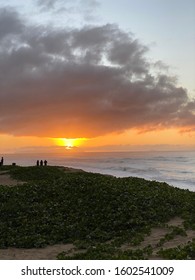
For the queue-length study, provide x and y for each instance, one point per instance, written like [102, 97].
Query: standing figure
[37, 162]
[45, 162]
[2, 160]
[41, 163]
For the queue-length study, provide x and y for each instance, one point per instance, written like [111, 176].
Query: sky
[111, 74]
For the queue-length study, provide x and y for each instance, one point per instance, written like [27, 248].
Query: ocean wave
[174, 168]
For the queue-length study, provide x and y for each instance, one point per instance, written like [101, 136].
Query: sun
[69, 143]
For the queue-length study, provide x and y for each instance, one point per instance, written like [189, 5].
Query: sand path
[47, 253]
[6, 180]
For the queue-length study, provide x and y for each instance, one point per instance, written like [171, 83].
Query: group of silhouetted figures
[41, 163]
[1, 162]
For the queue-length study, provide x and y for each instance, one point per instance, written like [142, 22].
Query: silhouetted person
[37, 162]
[2, 160]
[45, 162]
[41, 163]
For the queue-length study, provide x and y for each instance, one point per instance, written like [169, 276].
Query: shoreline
[127, 218]
[10, 181]
[174, 168]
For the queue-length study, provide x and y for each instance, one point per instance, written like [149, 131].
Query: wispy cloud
[83, 82]
[48, 4]
[85, 9]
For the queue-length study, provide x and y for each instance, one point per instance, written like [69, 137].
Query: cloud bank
[87, 82]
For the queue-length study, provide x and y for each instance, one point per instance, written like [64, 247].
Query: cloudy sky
[115, 73]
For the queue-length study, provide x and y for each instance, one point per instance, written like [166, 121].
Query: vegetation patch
[97, 213]
[185, 252]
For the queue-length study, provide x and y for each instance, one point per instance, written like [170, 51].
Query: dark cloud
[10, 23]
[83, 83]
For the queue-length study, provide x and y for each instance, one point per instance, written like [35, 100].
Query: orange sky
[124, 141]
[98, 82]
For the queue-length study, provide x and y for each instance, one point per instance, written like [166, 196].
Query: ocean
[177, 168]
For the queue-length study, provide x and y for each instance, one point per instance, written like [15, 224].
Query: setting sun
[69, 143]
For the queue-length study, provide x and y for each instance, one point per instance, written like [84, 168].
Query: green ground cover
[186, 252]
[97, 213]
